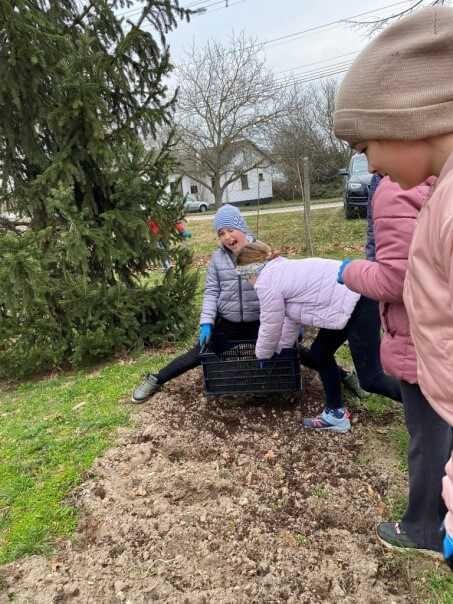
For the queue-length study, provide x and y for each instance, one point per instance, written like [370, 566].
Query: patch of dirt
[211, 502]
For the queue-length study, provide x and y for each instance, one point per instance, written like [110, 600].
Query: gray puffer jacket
[226, 294]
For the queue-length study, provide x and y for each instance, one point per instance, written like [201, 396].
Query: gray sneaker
[351, 382]
[147, 388]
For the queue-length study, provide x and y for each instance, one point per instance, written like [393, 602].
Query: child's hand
[448, 549]
[205, 334]
[343, 265]
[265, 363]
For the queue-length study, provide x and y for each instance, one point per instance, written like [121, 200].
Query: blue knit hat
[229, 217]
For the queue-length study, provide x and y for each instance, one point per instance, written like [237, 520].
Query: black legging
[307, 360]
[191, 359]
[362, 331]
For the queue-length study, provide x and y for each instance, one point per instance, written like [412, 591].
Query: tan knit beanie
[400, 87]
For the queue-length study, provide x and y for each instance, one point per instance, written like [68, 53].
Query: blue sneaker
[335, 420]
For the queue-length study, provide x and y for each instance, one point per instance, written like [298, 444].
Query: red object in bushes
[154, 228]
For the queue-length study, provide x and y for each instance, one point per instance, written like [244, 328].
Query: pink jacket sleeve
[374, 280]
[395, 212]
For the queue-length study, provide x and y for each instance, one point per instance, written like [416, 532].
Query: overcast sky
[269, 19]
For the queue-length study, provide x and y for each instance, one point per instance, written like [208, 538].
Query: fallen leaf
[381, 430]
[269, 455]
[56, 566]
[226, 455]
[371, 491]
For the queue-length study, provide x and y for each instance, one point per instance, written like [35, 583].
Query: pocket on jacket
[447, 347]
[384, 320]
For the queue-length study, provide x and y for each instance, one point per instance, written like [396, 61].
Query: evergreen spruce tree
[81, 88]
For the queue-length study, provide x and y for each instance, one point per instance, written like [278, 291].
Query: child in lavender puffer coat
[305, 292]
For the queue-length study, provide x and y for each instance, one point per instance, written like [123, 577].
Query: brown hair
[255, 252]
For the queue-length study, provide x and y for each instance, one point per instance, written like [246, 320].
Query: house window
[261, 177]
[193, 189]
[245, 182]
[173, 186]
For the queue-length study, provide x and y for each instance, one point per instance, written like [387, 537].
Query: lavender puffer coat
[225, 294]
[293, 293]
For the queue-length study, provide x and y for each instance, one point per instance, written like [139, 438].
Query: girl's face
[407, 163]
[233, 239]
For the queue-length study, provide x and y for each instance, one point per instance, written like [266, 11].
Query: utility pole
[259, 196]
[305, 191]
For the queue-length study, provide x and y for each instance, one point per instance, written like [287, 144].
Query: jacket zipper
[240, 300]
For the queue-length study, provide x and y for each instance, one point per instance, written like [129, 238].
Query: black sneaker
[394, 537]
[147, 388]
[351, 382]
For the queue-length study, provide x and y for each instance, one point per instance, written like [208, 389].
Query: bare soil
[226, 501]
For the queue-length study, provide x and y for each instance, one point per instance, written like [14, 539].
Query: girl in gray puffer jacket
[229, 306]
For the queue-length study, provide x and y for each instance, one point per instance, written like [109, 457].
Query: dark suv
[355, 187]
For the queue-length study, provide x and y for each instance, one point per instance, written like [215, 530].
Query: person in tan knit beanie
[396, 105]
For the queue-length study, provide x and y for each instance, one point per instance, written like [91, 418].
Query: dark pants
[307, 360]
[363, 332]
[430, 441]
[191, 359]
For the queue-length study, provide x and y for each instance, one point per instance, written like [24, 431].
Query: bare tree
[372, 26]
[307, 131]
[227, 100]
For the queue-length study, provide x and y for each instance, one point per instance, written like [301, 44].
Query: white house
[253, 185]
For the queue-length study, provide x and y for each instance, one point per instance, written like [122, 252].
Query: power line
[206, 4]
[316, 71]
[317, 28]
[328, 72]
[213, 10]
[346, 54]
[313, 77]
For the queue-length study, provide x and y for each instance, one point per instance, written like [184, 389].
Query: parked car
[355, 187]
[195, 205]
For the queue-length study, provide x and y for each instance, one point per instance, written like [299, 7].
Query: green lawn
[52, 430]
[332, 235]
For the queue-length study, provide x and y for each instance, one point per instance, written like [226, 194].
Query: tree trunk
[218, 191]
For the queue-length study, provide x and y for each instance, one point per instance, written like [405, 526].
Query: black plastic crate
[232, 368]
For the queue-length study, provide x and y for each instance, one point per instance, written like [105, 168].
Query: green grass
[332, 235]
[51, 431]
[439, 586]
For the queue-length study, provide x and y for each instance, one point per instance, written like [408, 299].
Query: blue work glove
[263, 363]
[186, 234]
[343, 265]
[205, 333]
[448, 549]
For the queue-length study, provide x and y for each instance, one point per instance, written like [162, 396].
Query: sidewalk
[314, 206]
